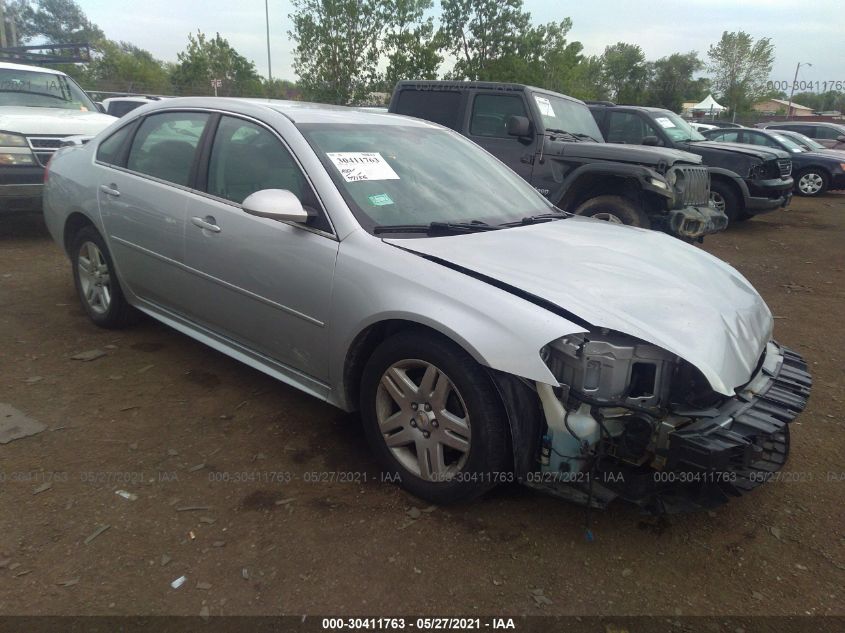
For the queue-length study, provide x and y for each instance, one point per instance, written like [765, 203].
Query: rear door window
[165, 145]
[823, 131]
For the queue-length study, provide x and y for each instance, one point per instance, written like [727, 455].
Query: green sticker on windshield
[380, 200]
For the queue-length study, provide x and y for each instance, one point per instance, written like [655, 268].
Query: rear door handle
[110, 190]
[207, 223]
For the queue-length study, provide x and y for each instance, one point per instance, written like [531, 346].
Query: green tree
[57, 22]
[542, 57]
[214, 58]
[409, 41]
[625, 72]
[337, 48]
[121, 66]
[480, 33]
[740, 68]
[672, 82]
[586, 81]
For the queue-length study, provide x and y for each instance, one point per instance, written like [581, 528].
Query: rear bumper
[696, 221]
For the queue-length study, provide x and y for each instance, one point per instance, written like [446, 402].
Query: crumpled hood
[640, 154]
[639, 282]
[58, 121]
[758, 151]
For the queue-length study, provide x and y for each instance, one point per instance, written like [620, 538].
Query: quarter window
[110, 149]
[490, 114]
[166, 144]
[728, 137]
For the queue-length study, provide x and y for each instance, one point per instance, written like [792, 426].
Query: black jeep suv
[553, 142]
[744, 180]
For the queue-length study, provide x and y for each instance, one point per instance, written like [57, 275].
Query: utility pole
[2, 24]
[791, 92]
[267, 18]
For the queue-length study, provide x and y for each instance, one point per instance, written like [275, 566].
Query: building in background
[780, 106]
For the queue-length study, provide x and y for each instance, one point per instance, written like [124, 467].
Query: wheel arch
[73, 224]
[731, 182]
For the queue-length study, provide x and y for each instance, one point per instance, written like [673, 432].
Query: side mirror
[275, 204]
[519, 126]
[841, 139]
[653, 141]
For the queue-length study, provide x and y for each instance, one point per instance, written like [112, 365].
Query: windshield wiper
[575, 135]
[437, 228]
[542, 217]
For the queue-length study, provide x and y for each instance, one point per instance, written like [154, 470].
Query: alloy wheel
[423, 420]
[94, 278]
[608, 217]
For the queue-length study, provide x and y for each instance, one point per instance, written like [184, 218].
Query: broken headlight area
[630, 420]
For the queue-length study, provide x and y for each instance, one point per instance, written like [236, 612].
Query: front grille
[697, 187]
[44, 147]
[784, 167]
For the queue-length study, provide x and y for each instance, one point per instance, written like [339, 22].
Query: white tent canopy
[709, 104]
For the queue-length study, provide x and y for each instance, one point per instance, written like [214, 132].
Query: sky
[809, 31]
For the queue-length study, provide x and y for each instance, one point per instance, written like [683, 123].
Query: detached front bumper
[747, 440]
[694, 222]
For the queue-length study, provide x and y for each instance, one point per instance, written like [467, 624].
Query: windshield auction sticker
[544, 105]
[356, 166]
[665, 122]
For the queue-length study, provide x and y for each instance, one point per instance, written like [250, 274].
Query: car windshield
[412, 175]
[788, 143]
[675, 127]
[805, 141]
[566, 115]
[42, 90]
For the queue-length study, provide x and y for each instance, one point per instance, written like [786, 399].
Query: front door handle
[207, 223]
[110, 190]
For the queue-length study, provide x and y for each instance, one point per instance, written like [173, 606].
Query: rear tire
[724, 198]
[614, 209]
[96, 281]
[434, 419]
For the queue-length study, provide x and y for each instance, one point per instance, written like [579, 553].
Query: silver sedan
[388, 265]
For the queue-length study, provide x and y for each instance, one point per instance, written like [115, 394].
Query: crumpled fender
[640, 173]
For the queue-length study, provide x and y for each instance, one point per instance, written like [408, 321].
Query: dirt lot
[182, 427]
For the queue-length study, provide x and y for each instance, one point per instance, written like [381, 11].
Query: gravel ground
[222, 466]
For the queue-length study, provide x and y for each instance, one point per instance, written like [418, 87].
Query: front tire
[811, 182]
[724, 198]
[614, 209]
[434, 418]
[96, 282]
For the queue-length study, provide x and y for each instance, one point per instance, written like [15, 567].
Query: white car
[121, 106]
[39, 109]
[702, 127]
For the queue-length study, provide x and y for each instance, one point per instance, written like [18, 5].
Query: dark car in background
[810, 145]
[553, 142]
[831, 135]
[744, 180]
[815, 173]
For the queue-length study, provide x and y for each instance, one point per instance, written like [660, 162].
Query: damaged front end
[630, 420]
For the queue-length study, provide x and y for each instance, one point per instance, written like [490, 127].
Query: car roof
[33, 69]
[428, 84]
[297, 111]
[810, 123]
